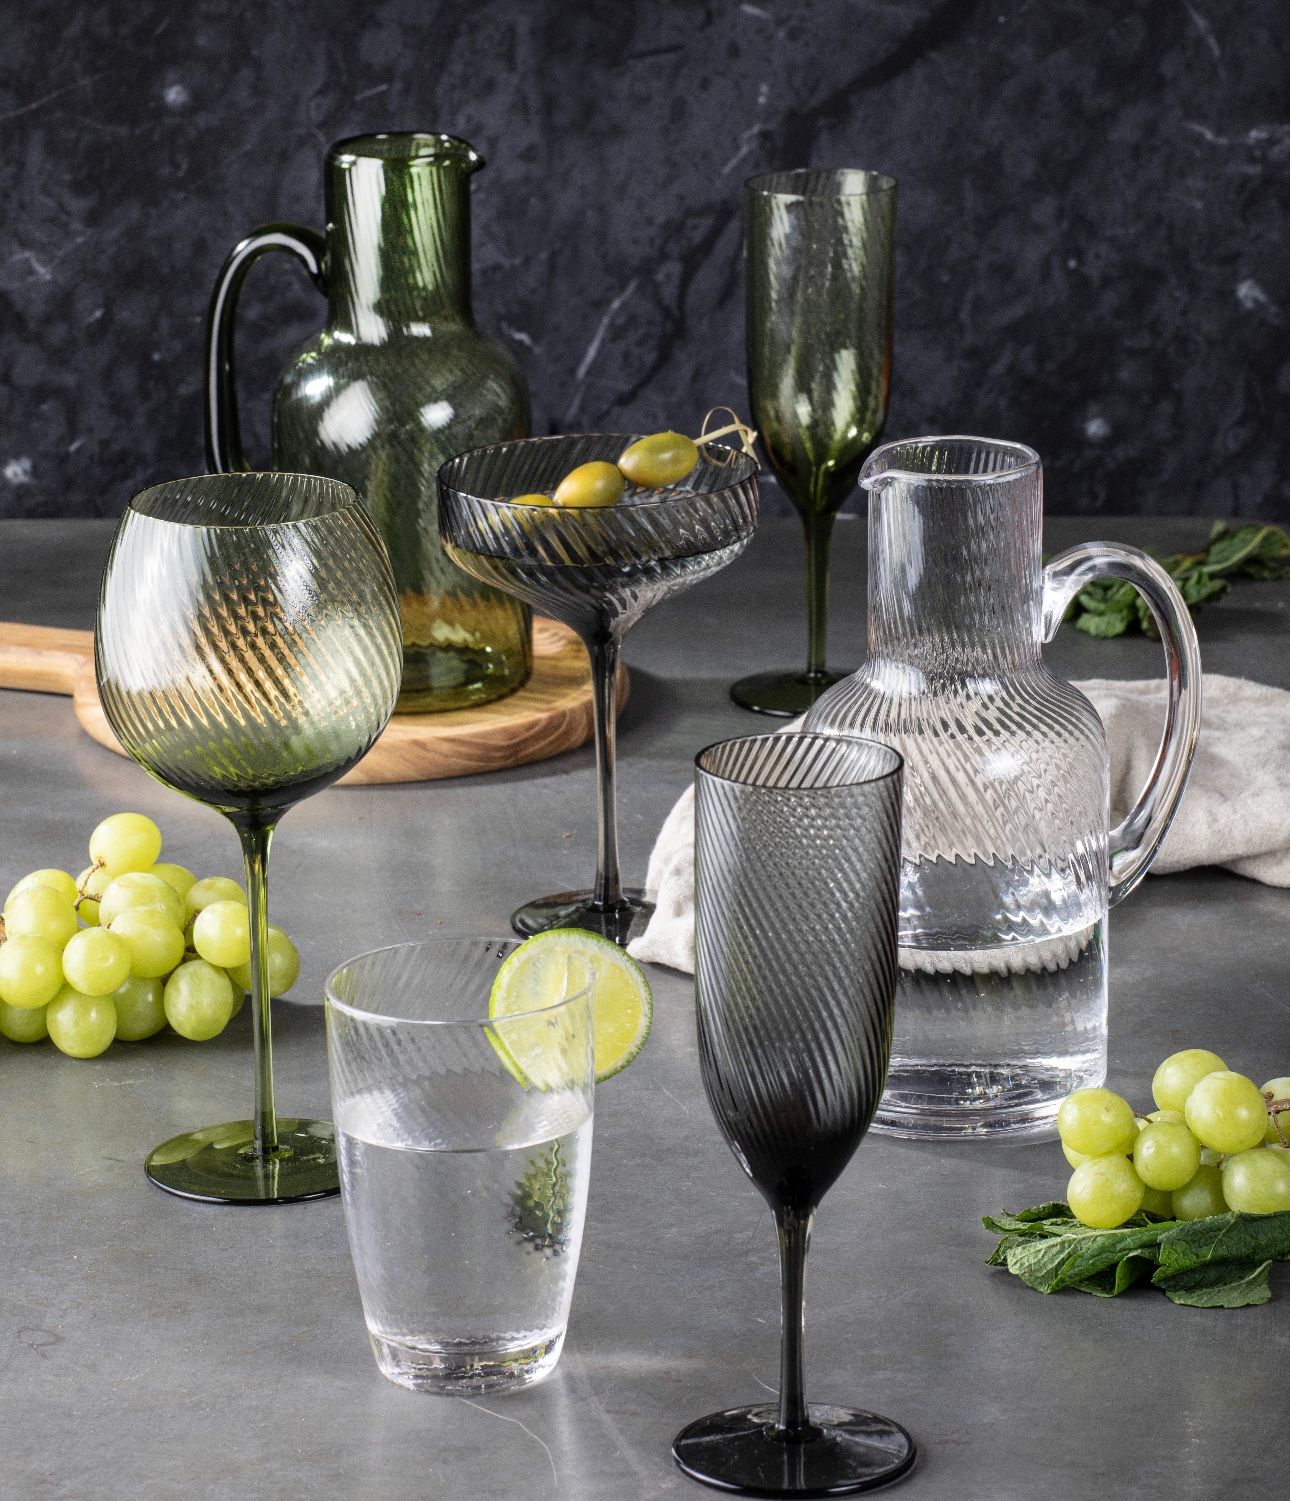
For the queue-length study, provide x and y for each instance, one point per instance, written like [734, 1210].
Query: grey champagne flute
[797, 873]
[248, 653]
[598, 569]
[821, 251]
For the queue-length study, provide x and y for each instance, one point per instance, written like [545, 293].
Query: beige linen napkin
[1235, 811]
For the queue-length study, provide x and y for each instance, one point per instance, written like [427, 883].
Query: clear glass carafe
[1008, 864]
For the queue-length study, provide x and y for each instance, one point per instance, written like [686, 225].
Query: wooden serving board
[550, 714]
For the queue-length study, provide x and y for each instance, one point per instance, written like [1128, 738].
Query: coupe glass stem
[819, 533]
[256, 839]
[604, 684]
[794, 1228]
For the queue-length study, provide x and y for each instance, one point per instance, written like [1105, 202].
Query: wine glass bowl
[248, 652]
[598, 569]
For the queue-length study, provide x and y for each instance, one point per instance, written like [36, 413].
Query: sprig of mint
[1111, 607]
[1220, 1262]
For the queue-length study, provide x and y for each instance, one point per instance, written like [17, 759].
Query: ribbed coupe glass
[598, 569]
[248, 653]
[797, 870]
[821, 250]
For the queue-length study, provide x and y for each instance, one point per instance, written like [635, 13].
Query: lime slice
[547, 967]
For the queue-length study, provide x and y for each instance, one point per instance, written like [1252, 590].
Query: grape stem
[82, 892]
[1276, 1109]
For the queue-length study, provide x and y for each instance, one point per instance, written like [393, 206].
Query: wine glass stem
[794, 1228]
[256, 839]
[819, 533]
[604, 686]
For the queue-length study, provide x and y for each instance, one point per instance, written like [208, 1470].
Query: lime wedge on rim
[534, 977]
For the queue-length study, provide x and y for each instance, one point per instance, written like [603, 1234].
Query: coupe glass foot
[218, 1165]
[783, 694]
[846, 1452]
[576, 909]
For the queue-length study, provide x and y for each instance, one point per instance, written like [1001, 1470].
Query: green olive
[594, 484]
[659, 460]
[536, 499]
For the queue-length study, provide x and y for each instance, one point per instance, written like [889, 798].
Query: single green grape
[1227, 1112]
[40, 912]
[93, 883]
[1168, 1115]
[137, 889]
[57, 880]
[1257, 1181]
[199, 1000]
[659, 460]
[1200, 1198]
[95, 962]
[1156, 1201]
[180, 881]
[31, 972]
[140, 1008]
[222, 934]
[1166, 1156]
[1097, 1122]
[1180, 1073]
[125, 842]
[213, 889]
[81, 1025]
[1277, 1089]
[23, 1023]
[156, 945]
[1104, 1192]
[284, 965]
[593, 484]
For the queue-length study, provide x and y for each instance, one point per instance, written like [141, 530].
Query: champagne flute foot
[620, 923]
[783, 694]
[218, 1164]
[846, 1452]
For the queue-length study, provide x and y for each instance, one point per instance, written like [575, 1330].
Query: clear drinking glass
[465, 1150]
[821, 271]
[598, 569]
[1009, 865]
[797, 859]
[248, 653]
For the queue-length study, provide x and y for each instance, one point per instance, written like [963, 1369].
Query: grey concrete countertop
[152, 1349]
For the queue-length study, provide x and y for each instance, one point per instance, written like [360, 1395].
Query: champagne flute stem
[604, 685]
[794, 1228]
[256, 839]
[819, 533]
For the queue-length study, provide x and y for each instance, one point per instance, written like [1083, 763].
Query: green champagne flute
[821, 268]
[248, 653]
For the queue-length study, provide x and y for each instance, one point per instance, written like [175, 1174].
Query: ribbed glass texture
[248, 643]
[797, 850]
[465, 1155]
[600, 568]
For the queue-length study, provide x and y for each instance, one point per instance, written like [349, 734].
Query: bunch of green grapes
[1215, 1142]
[126, 947]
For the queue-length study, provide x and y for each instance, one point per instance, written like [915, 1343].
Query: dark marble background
[1093, 215]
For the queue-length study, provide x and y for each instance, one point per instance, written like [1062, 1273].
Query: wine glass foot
[783, 694]
[847, 1452]
[626, 920]
[218, 1165]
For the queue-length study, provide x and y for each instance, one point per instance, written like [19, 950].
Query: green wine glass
[821, 268]
[248, 653]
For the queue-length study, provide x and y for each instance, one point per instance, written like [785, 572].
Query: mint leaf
[1038, 1261]
[1112, 1281]
[1251, 1238]
[1228, 1284]
[1107, 1247]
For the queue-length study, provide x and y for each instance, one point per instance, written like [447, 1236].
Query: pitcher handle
[223, 436]
[1132, 845]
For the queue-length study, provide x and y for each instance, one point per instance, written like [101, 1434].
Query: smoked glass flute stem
[794, 1228]
[819, 536]
[255, 840]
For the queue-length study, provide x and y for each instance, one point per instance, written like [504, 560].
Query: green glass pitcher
[397, 382]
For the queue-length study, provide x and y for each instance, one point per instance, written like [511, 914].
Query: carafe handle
[223, 437]
[1132, 845]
